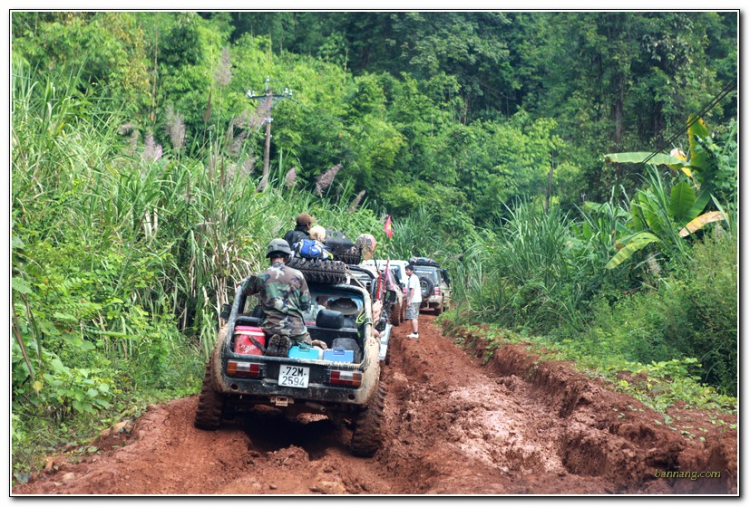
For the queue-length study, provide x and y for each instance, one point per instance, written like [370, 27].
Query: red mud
[453, 426]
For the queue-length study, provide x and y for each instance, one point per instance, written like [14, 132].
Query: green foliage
[634, 243]
[78, 389]
[135, 155]
[692, 314]
[658, 214]
[658, 384]
[534, 272]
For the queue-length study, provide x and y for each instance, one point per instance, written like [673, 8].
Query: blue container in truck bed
[304, 352]
[338, 355]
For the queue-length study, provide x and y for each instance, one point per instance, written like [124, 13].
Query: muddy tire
[352, 255]
[210, 411]
[396, 314]
[367, 438]
[320, 270]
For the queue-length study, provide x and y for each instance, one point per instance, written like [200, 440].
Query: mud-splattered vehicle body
[343, 391]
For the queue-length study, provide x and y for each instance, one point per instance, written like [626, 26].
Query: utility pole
[267, 151]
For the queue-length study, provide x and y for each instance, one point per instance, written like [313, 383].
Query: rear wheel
[367, 438]
[210, 411]
[396, 314]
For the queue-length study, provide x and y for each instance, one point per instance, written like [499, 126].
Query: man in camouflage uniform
[284, 296]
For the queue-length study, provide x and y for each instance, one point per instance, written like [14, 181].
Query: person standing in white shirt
[413, 300]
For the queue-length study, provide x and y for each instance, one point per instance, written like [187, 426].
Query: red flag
[387, 227]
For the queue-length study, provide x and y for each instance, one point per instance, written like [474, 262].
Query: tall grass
[122, 257]
[544, 274]
[532, 273]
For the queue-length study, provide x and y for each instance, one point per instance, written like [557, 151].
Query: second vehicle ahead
[436, 291]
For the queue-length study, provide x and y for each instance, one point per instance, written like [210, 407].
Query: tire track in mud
[519, 426]
[459, 428]
[452, 426]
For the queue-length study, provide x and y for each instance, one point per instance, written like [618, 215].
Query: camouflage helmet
[278, 247]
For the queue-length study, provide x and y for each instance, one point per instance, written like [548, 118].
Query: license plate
[294, 376]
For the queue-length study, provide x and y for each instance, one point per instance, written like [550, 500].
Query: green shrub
[692, 314]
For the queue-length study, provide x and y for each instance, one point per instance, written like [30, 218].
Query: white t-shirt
[413, 283]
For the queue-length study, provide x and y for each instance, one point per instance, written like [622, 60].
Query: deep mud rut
[453, 426]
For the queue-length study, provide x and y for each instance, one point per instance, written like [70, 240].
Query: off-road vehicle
[347, 392]
[398, 282]
[435, 285]
[382, 289]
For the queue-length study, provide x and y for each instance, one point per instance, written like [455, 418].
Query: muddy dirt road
[453, 426]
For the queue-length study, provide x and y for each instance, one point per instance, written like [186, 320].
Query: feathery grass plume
[126, 129]
[257, 118]
[235, 142]
[291, 178]
[653, 265]
[229, 136]
[355, 203]
[326, 179]
[207, 112]
[223, 73]
[231, 171]
[211, 166]
[132, 129]
[134, 138]
[243, 120]
[175, 127]
[151, 150]
[248, 166]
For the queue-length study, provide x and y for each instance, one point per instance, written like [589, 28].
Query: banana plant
[663, 218]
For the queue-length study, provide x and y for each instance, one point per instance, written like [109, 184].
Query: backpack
[311, 249]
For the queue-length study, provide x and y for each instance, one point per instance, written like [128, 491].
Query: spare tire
[427, 285]
[320, 270]
[352, 255]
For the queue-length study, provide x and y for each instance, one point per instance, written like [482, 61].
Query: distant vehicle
[435, 284]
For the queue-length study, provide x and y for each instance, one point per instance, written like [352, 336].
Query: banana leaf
[637, 157]
[682, 200]
[699, 158]
[698, 206]
[700, 222]
[637, 242]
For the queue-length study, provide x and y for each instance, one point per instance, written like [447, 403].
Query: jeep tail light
[345, 378]
[437, 291]
[243, 369]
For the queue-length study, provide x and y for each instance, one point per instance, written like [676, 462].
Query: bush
[710, 297]
[692, 314]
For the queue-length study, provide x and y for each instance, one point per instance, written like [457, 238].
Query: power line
[274, 99]
[723, 93]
